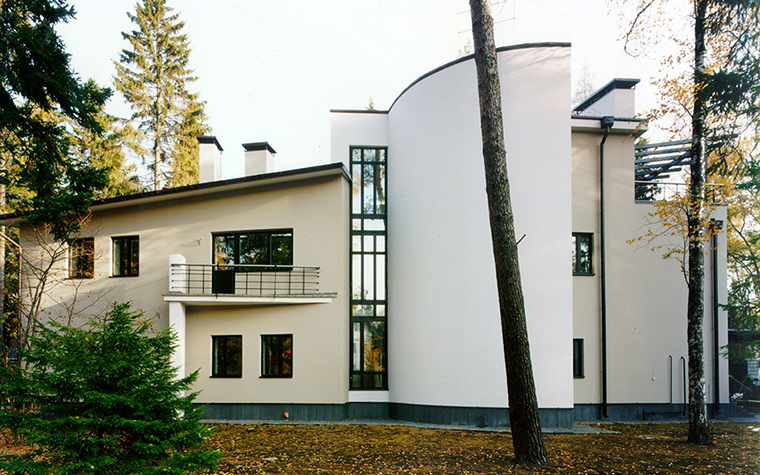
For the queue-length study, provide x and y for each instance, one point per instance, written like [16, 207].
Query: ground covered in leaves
[360, 449]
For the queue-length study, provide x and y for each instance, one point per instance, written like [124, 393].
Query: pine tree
[527, 439]
[153, 76]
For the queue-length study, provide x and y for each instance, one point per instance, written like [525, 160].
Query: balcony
[210, 284]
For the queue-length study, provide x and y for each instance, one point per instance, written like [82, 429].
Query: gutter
[607, 123]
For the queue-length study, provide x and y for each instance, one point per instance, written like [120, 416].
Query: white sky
[270, 70]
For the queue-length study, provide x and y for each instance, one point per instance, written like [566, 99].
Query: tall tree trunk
[698, 430]
[523, 406]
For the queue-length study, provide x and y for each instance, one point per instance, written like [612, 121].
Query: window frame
[269, 233]
[76, 269]
[579, 368]
[577, 238]
[215, 366]
[116, 269]
[280, 353]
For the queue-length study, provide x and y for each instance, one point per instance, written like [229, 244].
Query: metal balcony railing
[648, 191]
[244, 279]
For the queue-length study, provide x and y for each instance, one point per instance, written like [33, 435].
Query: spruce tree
[110, 402]
[38, 86]
[153, 76]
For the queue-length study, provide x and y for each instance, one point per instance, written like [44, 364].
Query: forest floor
[651, 448]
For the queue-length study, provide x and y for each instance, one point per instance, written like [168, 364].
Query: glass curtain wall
[368, 265]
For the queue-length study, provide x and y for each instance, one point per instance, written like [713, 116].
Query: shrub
[108, 402]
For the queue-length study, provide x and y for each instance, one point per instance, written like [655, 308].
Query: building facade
[366, 287]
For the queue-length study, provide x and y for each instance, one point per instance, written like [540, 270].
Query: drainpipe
[606, 123]
[716, 225]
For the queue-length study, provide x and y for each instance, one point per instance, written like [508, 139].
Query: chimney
[209, 159]
[259, 158]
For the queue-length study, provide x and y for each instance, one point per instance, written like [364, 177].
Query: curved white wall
[444, 329]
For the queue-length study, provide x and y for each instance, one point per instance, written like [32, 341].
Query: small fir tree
[105, 400]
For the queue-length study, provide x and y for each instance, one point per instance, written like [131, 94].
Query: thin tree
[718, 96]
[153, 75]
[523, 405]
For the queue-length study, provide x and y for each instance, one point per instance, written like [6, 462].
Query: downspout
[716, 225]
[606, 123]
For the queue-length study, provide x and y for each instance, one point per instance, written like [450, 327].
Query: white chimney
[209, 159]
[259, 158]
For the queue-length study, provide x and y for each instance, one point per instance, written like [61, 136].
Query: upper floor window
[582, 251]
[254, 247]
[82, 258]
[126, 256]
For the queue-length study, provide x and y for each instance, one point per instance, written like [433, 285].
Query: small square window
[578, 370]
[582, 253]
[276, 356]
[227, 356]
[82, 258]
[126, 256]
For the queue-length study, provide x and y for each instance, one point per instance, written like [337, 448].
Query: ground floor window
[369, 355]
[227, 356]
[578, 370]
[276, 356]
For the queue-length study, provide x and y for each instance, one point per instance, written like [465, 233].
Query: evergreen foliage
[104, 400]
[37, 82]
[153, 76]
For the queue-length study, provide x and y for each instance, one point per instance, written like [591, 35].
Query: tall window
[368, 268]
[82, 258]
[254, 247]
[126, 256]
[582, 252]
[276, 356]
[227, 356]
[578, 371]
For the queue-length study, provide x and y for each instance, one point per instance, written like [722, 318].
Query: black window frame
[577, 238]
[81, 260]
[268, 233]
[132, 267]
[221, 360]
[283, 360]
[579, 371]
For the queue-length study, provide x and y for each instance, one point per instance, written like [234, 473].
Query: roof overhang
[282, 178]
[621, 125]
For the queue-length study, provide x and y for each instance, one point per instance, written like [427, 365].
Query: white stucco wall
[317, 212]
[444, 328]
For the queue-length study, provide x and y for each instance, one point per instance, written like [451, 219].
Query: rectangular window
[82, 258]
[126, 256]
[227, 356]
[578, 358]
[276, 356]
[254, 247]
[582, 252]
[368, 264]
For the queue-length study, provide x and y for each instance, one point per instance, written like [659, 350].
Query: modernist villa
[365, 287]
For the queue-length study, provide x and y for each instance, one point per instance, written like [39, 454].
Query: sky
[270, 70]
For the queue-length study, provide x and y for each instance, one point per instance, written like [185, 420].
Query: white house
[366, 287]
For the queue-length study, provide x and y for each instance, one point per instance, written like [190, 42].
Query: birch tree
[715, 95]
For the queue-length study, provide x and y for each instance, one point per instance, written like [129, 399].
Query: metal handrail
[243, 279]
